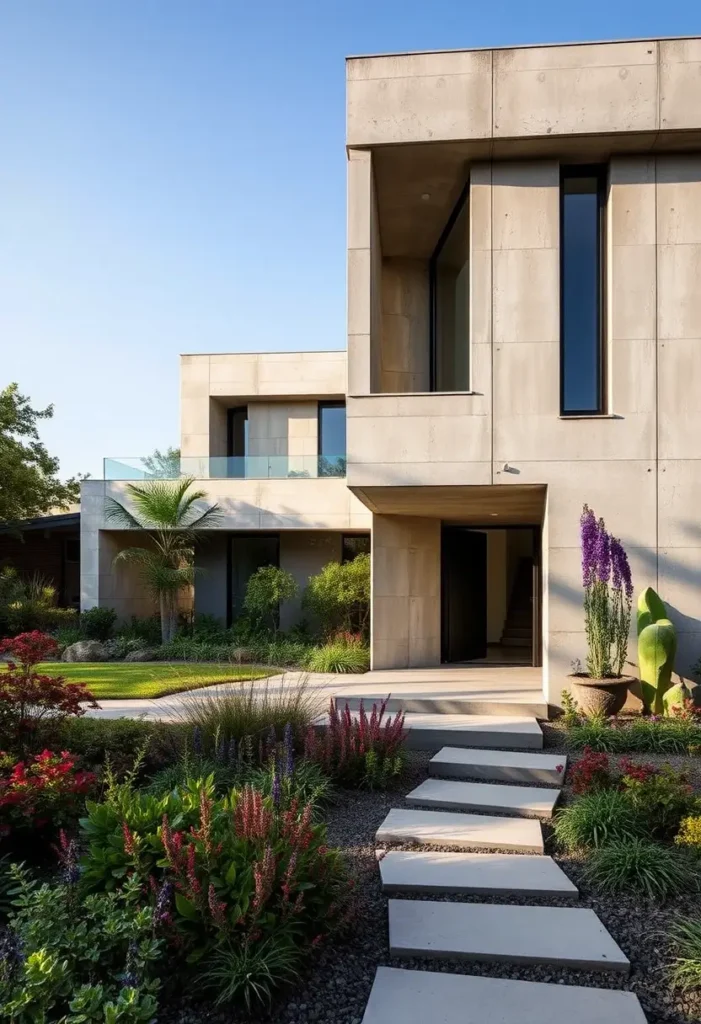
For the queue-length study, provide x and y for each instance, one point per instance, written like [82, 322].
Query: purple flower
[589, 533]
[272, 739]
[220, 752]
[621, 575]
[602, 553]
[11, 954]
[130, 978]
[164, 899]
[232, 750]
[288, 752]
[276, 787]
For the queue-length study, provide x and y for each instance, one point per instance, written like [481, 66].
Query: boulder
[145, 655]
[85, 650]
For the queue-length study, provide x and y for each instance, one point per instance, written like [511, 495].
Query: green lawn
[115, 680]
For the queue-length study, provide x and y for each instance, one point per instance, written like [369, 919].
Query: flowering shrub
[608, 596]
[591, 773]
[663, 798]
[359, 751]
[43, 793]
[73, 958]
[222, 873]
[29, 699]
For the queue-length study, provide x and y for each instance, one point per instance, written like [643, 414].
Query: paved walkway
[512, 685]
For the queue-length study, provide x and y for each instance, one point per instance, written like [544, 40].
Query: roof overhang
[479, 505]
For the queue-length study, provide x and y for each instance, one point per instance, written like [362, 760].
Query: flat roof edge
[522, 46]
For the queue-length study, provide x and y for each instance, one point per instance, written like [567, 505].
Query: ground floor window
[353, 544]
[247, 553]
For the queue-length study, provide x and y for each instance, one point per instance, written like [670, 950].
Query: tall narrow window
[582, 199]
[450, 302]
[237, 441]
[332, 439]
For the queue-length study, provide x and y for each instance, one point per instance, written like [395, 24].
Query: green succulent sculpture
[657, 646]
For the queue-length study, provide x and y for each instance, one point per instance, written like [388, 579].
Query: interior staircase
[471, 807]
[518, 625]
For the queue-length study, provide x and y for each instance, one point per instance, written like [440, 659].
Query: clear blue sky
[172, 179]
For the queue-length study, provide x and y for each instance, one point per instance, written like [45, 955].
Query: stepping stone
[499, 765]
[485, 797]
[430, 732]
[487, 874]
[414, 997]
[497, 933]
[465, 831]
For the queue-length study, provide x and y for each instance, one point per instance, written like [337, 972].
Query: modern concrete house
[524, 336]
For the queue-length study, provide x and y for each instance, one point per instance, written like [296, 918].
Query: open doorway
[490, 595]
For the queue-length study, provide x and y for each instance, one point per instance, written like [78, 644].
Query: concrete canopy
[497, 505]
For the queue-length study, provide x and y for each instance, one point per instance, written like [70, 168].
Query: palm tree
[169, 516]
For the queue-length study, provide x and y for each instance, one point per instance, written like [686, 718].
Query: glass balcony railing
[249, 467]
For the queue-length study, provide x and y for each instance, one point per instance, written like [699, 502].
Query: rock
[146, 655]
[85, 650]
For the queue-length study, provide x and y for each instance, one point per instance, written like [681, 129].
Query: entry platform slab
[487, 874]
[464, 831]
[499, 933]
[415, 997]
[485, 797]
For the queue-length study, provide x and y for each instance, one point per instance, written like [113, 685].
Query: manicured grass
[117, 680]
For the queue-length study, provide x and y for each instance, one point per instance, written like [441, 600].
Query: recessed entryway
[490, 595]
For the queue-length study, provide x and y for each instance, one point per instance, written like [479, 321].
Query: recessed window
[450, 302]
[332, 438]
[582, 204]
[353, 544]
[237, 441]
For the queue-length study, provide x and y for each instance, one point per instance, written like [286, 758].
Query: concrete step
[430, 732]
[499, 933]
[414, 997]
[485, 798]
[516, 641]
[498, 765]
[524, 631]
[483, 874]
[463, 831]
[426, 703]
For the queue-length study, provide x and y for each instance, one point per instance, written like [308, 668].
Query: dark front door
[463, 594]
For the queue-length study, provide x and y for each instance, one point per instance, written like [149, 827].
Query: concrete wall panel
[680, 83]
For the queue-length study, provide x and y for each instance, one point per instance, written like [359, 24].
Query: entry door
[463, 594]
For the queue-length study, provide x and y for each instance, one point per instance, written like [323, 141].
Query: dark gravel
[337, 986]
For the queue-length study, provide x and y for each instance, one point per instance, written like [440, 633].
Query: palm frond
[118, 515]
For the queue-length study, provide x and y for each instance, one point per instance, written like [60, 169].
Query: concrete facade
[419, 128]
[500, 124]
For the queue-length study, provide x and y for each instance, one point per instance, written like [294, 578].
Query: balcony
[248, 467]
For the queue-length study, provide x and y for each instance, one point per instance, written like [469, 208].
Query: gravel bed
[336, 988]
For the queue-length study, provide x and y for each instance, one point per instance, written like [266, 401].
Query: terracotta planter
[600, 696]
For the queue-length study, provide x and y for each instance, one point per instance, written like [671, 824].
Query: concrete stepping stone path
[485, 797]
[415, 997]
[430, 732]
[464, 831]
[486, 874]
[495, 933]
[499, 765]
[446, 705]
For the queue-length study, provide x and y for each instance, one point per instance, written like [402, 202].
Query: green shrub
[146, 629]
[339, 596]
[97, 623]
[686, 966]
[340, 656]
[28, 603]
[662, 798]
[640, 866]
[78, 958]
[119, 740]
[640, 735]
[251, 972]
[596, 819]
[252, 708]
[266, 588]
[66, 635]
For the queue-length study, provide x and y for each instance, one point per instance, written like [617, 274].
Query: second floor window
[332, 438]
[582, 205]
[449, 273]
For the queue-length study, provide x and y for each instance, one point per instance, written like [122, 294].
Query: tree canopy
[29, 482]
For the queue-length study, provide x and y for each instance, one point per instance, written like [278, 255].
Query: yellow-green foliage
[657, 646]
[689, 833]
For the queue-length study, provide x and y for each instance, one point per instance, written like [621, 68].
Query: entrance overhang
[479, 505]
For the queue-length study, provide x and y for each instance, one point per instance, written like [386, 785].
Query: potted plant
[608, 598]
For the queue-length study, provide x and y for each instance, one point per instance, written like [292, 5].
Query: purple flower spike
[589, 532]
[288, 763]
[276, 787]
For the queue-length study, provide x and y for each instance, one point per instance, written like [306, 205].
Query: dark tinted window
[582, 290]
[332, 439]
[450, 303]
[355, 544]
[249, 553]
